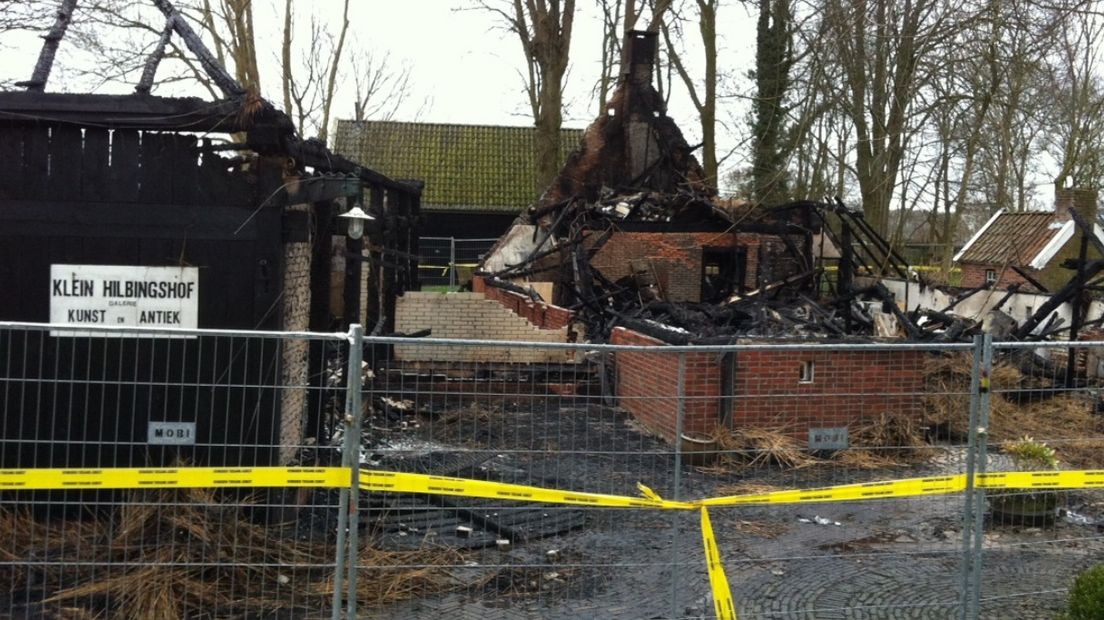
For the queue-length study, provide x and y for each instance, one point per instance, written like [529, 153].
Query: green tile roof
[465, 167]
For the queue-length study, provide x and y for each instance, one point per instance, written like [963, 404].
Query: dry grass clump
[168, 554]
[860, 458]
[746, 487]
[1065, 420]
[887, 440]
[761, 447]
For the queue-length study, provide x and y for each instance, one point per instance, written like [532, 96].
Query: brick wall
[676, 258]
[541, 315]
[846, 388]
[647, 386]
[473, 316]
[973, 276]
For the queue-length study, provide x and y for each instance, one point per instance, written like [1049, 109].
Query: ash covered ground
[877, 559]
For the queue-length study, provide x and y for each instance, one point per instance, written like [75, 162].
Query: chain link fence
[687, 422]
[1044, 414]
[450, 261]
[93, 400]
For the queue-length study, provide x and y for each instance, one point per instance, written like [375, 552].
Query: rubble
[631, 234]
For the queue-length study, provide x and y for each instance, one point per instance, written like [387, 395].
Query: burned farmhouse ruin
[631, 234]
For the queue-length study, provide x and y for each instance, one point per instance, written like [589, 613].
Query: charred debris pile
[631, 233]
[696, 270]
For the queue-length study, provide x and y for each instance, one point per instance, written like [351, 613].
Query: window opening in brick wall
[723, 271]
[990, 276]
[1028, 312]
[808, 370]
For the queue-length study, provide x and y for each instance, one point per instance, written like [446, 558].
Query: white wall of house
[1020, 306]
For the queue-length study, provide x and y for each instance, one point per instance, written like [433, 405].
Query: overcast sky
[465, 67]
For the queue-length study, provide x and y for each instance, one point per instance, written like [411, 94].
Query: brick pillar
[1082, 200]
[295, 353]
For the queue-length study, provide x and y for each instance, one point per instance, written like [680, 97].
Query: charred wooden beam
[1057, 299]
[50, 43]
[149, 71]
[1078, 303]
[227, 84]
[963, 297]
[319, 189]
[1012, 290]
[914, 332]
[123, 111]
[1027, 276]
[314, 153]
[762, 290]
[899, 264]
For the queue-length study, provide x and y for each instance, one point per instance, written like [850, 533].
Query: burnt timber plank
[66, 144]
[11, 154]
[120, 220]
[36, 161]
[155, 169]
[95, 168]
[185, 168]
[122, 111]
[125, 151]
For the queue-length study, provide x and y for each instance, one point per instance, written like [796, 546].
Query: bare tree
[619, 17]
[702, 92]
[378, 89]
[314, 62]
[773, 60]
[309, 89]
[615, 21]
[22, 15]
[544, 29]
[887, 51]
[1076, 127]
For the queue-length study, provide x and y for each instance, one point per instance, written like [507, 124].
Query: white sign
[123, 296]
[834, 438]
[171, 433]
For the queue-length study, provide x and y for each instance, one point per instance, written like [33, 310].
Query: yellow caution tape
[1077, 479]
[908, 487]
[179, 477]
[723, 605]
[396, 482]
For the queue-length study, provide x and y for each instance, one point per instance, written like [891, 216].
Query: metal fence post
[676, 491]
[982, 433]
[973, 514]
[452, 262]
[968, 501]
[346, 558]
[353, 416]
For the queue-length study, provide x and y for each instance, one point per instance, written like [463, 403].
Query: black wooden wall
[87, 195]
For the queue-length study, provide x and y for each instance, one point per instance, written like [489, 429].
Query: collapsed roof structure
[631, 233]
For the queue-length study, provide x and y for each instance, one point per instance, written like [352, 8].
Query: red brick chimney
[1082, 200]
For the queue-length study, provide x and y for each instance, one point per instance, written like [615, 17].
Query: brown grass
[860, 458]
[887, 440]
[149, 562]
[761, 447]
[1064, 421]
[746, 488]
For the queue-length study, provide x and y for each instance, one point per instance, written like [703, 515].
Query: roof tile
[464, 167]
[1015, 238]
